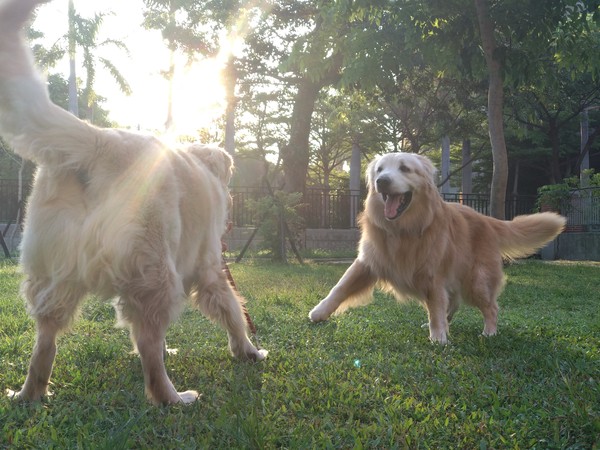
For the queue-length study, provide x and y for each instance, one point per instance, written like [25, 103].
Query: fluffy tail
[35, 127]
[525, 234]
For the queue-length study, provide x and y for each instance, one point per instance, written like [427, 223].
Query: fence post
[584, 178]
[467, 171]
[354, 182]
[445, 188]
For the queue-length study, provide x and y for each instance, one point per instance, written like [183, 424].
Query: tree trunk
[355, 172]
[587, 140]
[467, 171]
[495, 110]
[553, 131]
[515, 189]
[584, 176]
[445, 188]
[296, 154]
[73, 104]
[20, 205]
[169, 122]
[325, 198]
[230, 77]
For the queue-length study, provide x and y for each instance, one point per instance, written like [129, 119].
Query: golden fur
[115, 213]
[416, 245]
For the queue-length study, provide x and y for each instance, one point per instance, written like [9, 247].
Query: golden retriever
[416, 245]
[117, 214]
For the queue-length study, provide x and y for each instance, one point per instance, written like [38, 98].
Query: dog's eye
[379, 169]
[404, 168]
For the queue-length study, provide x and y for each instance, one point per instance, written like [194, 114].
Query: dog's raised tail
[34, 127]
[15, 13]
[523, 235]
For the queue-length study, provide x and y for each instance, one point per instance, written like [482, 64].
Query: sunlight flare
[198, 95]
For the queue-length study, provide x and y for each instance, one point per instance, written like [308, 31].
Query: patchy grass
[308, 254]
[368, 378]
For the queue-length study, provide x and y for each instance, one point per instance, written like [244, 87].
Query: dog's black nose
[383, 182]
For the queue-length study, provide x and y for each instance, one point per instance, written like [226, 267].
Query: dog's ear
[370, 172]
[427, 166]
[217, 160]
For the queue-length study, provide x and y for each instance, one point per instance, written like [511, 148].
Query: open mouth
[396, 204]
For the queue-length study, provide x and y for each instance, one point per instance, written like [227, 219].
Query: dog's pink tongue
[391, 206]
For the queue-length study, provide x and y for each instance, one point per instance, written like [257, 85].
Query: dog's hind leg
[437, 305]
[453, 306]
[485, 300]
[54, 311]
[216, 299]
[124, 322]
[490, 319]
[355, 287]
[485, 290]
[147, 306]
[42, 359]
[148, 334]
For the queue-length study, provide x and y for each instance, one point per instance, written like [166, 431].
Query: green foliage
[417, 68]
[574, 182]
[594, 177]
[554, 197]
[367, 379]
[275, 213]
[83, 34]
[188, 25]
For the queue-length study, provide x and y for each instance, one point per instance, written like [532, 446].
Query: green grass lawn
[366, 379]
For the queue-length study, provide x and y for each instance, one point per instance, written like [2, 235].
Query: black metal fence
[332, 208]
[516, 205]
[338, 208]
[321, 208]
[9, 194]
[582, 210]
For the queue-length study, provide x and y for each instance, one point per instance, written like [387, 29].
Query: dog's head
[217, 160]
[396, 178]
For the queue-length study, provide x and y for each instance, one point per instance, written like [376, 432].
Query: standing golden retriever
[114, 213]
[415, 244]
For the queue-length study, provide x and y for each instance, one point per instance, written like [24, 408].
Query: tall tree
[292, 46]
[194, 28]
[72, 51]
[84, 33]
[495, 109]
[469, 41]
[330, 141]
[552, 108]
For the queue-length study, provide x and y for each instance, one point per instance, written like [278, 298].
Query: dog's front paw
[261, 354]
[319, 313]
[246, 351]
[438, 337]
[13, 395]
[22, 396]
[188, 397]
[253, 354]
[174, 398]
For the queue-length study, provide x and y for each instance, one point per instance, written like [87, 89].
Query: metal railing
[516, 205]
[338, 208]
[9, 204]
[332, 208]
[582, 209]
[321, 208]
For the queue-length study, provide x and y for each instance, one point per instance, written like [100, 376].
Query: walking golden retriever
[416, 245]
[115, 213]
